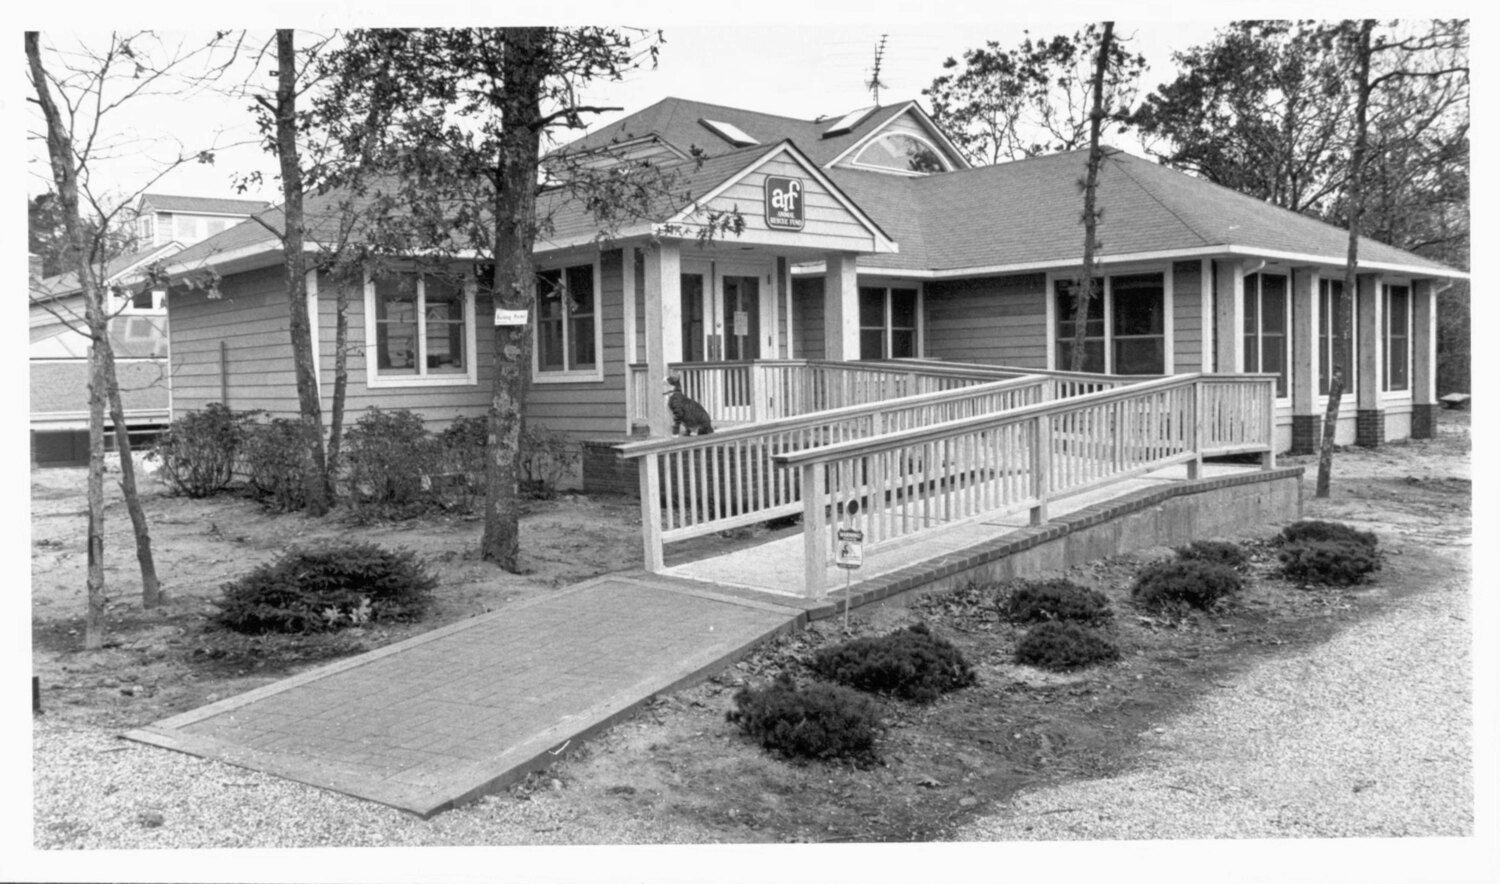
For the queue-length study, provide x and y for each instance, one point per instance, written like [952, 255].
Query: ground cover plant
[911, 663]
[816, 720]
[1217, 552]
[1179, 584]
[1035, 601]
[1328, 562]
[1062, 646]
[1320, 530]
[325, 588]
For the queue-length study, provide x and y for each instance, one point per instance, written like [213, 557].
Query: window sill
[567, 377]
[394, 381]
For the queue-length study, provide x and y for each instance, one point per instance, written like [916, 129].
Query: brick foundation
[1369, 427]
[1424, 420]
[605, 472]
[1307, 433]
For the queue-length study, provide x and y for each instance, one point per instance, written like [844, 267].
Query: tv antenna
[874, 84]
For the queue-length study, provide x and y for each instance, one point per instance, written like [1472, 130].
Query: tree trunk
[314, 460]
[1087, 280]
[513, 287]
[65, 176]
[1340, 341]
[340, 382]
[151, 594]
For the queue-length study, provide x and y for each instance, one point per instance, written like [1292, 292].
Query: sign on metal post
[851, 548]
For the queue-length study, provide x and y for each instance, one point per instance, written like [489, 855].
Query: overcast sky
[796, 70]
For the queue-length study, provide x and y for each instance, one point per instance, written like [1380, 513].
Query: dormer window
[901, 152]
[729, 132]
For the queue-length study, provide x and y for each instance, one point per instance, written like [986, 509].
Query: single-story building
[864, 237]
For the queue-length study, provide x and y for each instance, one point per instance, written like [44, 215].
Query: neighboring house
[59, 360]
[864, 237]
[162, 218]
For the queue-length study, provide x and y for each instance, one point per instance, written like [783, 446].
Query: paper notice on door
[741, 322]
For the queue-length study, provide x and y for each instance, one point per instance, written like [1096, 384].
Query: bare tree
[89, 84]
[1088, 280]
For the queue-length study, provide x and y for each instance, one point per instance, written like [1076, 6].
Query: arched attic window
[902, 152]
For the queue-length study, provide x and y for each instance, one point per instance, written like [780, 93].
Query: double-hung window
[1396, 374]
[1124, 328]
[1333, 326]
[422, 327]
[887, 323]
[567, 324]
[1265, 329]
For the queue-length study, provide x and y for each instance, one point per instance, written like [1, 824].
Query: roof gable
[200, 205]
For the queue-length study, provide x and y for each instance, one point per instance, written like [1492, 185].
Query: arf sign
[784, 203]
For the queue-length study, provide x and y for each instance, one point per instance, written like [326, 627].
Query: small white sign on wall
[509, 317]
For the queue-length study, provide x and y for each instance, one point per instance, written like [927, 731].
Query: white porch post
[840, 308]
[1369, 419]
[1229, 318]
[1303, 317]
[1424, 343]
[663, 328]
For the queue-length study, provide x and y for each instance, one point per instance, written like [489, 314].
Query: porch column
[1369, 418]
[1306, 421]
[1229, 317]
[1424, 359]
[663, 328]
[840, 308]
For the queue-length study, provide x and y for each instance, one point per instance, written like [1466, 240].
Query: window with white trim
[1265, 327]
[887, 323]
[1124, 328]
[901, 152]
[421, 327]
[1331, 326]
[1396, 373]
[567, 321]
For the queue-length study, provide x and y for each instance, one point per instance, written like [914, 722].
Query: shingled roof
[163, 202]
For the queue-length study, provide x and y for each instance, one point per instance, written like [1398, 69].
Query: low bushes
[819, 721]
[325, 588]
[198, 453]
[1035, 601]
[1215, 552]
[1184, 583]
[910, 663]
[1061, 646]
[275, 463]
[1329, 553]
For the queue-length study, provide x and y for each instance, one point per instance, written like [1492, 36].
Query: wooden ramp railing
[900, 484]
[696, 485]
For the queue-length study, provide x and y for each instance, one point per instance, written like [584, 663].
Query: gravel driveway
[1367, 735]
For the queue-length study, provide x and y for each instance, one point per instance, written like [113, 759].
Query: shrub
[326, 587]
[389, 458]
[910, 663]
[822, 721]
[1060, 646]
[198, 452]
[273, 458]
[1318, 530]
[1215, 552]
[546, 456]
[461, 462]
[1033, 601]
[1184, 583]
[1330, 562]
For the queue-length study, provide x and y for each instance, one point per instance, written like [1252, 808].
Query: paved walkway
[440, 718]
[446, 716]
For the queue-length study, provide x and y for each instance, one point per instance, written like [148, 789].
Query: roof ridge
[1151, 194]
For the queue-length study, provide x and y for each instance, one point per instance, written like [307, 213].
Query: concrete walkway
[441, 718]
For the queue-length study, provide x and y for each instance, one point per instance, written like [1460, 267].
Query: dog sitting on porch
[687, 415]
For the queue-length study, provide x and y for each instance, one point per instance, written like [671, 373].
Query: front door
[694, 335]
[741, 318]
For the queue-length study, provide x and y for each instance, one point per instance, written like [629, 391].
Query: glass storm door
[693, 331]
[741, 318]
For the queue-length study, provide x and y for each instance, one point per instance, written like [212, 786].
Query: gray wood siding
[997, 320]
[824, 215]
[807, 325]
[251, 318]
[1187, 316]
[591, 409]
